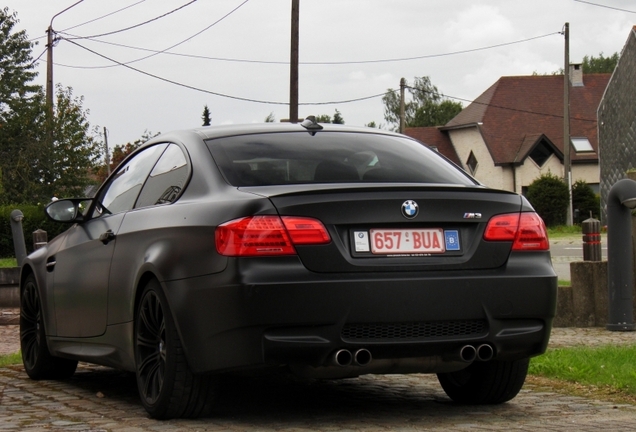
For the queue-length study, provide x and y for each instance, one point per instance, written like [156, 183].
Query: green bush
[585, 201]
[34, 219]
[549, 196]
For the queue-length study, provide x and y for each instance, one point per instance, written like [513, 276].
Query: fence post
[18, 236]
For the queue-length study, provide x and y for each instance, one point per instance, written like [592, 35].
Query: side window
[166, 180]
[123, 189]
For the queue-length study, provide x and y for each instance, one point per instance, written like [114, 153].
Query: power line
[93, 20]
[138, 25]
[286, 63]
[217, 93]
[604, 6]
[155, 52]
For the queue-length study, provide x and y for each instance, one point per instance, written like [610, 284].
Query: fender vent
[414, 330]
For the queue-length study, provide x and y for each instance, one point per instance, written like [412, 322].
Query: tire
[167, 387]
[481, 383]
[38, 361]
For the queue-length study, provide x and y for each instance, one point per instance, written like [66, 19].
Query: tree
[271, 118]
[34, 167]
[585, 201]
[16, 64]
[550, 198]
[337, 118]
[326, 118]
[600, 64]
[427, 107]
[206, 116]
[35, 171]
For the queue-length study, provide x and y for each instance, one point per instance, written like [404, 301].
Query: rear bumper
[278, 313]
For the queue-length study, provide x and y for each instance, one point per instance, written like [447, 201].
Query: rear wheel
[491, 382]
[166, 386]
[38, 361]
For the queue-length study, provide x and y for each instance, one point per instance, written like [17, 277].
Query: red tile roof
[515, 111]
[433, 137]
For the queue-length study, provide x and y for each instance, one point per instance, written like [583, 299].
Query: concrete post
[18, 236]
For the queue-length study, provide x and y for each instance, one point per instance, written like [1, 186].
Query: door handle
[107, 236]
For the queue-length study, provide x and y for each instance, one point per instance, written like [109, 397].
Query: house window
[471, 163]
[582, 145]
[541, 153]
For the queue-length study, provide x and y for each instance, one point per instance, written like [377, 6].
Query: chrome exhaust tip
[362, 357]
[342, 357]
[485, 352]
[468, 353]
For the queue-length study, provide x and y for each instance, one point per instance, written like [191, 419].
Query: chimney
[576, 74]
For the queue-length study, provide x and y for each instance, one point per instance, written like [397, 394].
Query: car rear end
[373, 255]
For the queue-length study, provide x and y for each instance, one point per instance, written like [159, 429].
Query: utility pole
[567, 174]
[49, 57]
[49, 68]
[402, 105]
[293, 64]
[107, 155]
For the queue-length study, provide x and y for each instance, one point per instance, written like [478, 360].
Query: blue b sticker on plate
[452, 240]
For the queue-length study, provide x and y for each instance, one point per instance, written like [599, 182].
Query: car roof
[211, 132]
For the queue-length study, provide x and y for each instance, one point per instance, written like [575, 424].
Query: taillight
[268, 235]
[526, 231]
[306, 231]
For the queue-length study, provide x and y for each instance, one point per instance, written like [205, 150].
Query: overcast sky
[357, 34]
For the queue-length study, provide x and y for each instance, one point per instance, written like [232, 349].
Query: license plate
[405, 241]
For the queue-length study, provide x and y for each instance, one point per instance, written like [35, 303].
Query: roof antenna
[311, 125]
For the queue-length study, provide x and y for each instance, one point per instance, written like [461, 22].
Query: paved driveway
[103, 399]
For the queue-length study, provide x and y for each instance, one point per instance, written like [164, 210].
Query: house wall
[617, 122]
[470, 139]
[530, 171]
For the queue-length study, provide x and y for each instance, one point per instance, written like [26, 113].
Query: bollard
[620, 277]
[40, 238]
[18, 236]
[591, 229]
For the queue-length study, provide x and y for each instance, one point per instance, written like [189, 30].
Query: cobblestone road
[102, 399]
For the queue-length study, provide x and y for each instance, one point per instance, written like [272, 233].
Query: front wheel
[166, 386]
[491, 382]
[38, 361]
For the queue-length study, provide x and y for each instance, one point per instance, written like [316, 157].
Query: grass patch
[10, 359]
[8, 262]
[564, 231]
[562, 282]
[611, 368]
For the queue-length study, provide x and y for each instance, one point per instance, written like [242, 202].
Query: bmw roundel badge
[410, 209]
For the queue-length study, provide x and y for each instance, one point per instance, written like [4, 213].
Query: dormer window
[471, 163]
[582, 145]
[541, 153]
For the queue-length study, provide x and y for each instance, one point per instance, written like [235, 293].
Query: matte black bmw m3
[329, 252]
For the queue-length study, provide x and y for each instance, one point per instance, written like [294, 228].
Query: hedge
[34, 219]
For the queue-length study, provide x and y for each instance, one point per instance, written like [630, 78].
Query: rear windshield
[330, 157]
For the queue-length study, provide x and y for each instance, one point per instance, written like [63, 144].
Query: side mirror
[68, 210]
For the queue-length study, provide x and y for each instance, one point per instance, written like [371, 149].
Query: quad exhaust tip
[344, 357]
[483, 352]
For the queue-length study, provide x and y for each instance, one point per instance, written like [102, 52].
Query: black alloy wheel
[166, 386]
[37, 360]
